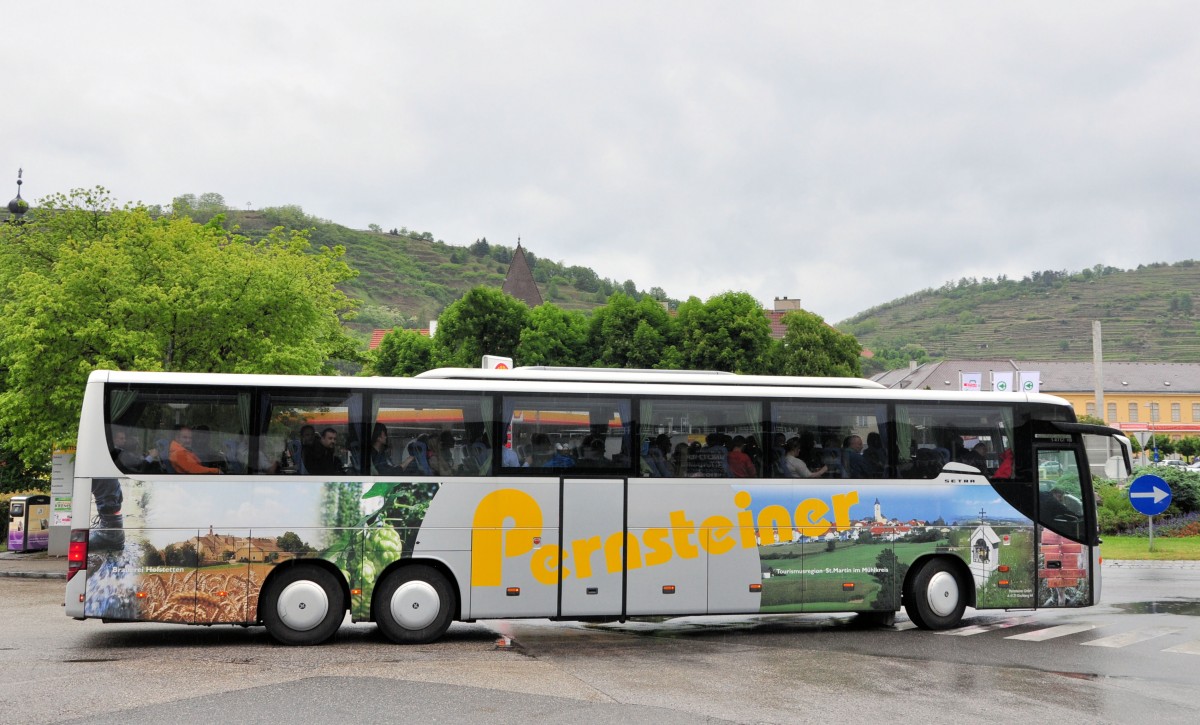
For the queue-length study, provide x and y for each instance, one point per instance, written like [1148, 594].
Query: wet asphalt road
[1136, 657]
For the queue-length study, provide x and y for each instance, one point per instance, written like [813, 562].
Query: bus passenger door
[592, 577]
[1064, 520]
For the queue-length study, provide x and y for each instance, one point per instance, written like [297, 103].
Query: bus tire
[414, 605]
[935, 596]
[303, 605]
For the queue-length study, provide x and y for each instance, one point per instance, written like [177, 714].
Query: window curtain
[119, 402]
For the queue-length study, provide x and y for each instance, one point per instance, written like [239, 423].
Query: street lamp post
[1150, 427]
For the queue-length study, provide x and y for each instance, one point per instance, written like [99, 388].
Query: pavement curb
[33, 575]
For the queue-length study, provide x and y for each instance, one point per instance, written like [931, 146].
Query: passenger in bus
[655, 458]
[381, 460]
[321, 459]
[712, 461]
[183, 460]
[438, 455]
[793, 461]
[875, 454]
[831, 458]
[740, 465]
[509, 458]
[809, 452]
[203, 448]
[755, 452]
[560, 459]
[679, 458]
[977, 456]
[1005, 469]
[854, 463]
[129, 458]
[778, 455]
[1056, 508]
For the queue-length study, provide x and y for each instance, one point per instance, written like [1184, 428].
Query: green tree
[17, 475]
[403, 354]
[613, 336]
[728, 332]
[1188, 446]
[152, 556]
[184, 205]
[811, 347]
[554, 336]
[890, 574]
[290, 541]
[211, 202]
[484, 321]
[91, 286]
[480, 248]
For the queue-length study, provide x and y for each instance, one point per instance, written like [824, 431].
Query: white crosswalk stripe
[1127, 638]
[1187, 648]
[989, 627]
[1062, 630]
[1045, 634]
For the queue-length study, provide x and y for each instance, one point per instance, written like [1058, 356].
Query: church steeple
[519, 281]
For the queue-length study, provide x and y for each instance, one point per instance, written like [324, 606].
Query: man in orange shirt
[181, 457]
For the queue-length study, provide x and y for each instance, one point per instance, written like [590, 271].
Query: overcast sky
[842, 153]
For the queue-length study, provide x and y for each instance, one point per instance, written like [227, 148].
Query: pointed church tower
[519, 282]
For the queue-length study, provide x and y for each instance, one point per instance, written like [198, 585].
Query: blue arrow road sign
[1150, 494]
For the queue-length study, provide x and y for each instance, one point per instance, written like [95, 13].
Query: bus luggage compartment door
[593, 519]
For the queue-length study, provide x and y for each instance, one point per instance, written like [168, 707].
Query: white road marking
[1127, 638]
[1041, 635]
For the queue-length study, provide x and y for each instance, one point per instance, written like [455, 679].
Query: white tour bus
[569, 494]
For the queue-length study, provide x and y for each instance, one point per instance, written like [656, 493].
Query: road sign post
[1150, 495]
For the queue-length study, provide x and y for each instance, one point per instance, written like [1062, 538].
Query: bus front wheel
[414, 605]
[303, 605]
[934, 596]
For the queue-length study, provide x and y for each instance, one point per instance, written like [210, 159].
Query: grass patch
[1138, 548]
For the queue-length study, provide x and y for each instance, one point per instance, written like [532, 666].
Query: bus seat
[163, 446]
[297, 455]
[418, 461]
[233, 462]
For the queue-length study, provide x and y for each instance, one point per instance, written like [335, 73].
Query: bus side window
[545, 433]
[829, 438]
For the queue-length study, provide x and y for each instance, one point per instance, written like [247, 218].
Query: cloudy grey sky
[846, 154]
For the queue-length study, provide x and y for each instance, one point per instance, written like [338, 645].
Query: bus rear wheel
[303, 605]
[934, 596]
[414, 605]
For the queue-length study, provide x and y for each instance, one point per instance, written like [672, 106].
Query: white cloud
[843, 155]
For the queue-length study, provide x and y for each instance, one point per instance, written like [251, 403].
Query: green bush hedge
[1117, 515]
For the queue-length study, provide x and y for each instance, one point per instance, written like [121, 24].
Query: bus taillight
[77, 552]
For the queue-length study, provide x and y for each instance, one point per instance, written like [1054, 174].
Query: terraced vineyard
[1146, 314]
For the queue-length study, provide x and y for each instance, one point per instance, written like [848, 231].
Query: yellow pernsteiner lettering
[682, 531]
[841, 508]
[806, 512]
[659, 550]
[544, 565]
[613, 549]
[774, 524]
[716, 537]
[582, 550]
[745, 519]
[505, 525]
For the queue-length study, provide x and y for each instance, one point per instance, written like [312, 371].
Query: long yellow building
[1162, 398]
